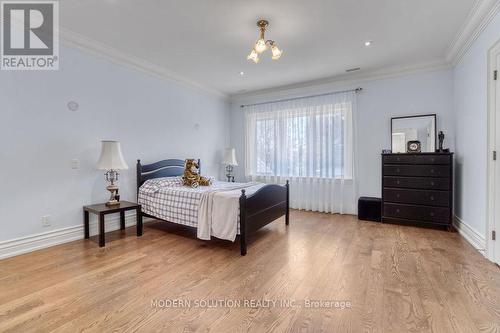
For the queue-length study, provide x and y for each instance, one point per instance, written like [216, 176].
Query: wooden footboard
[261, 208]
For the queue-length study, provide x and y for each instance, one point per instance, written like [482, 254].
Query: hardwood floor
[397, 279]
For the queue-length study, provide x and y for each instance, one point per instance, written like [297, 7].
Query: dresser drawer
[417, 170]
[418, 182]
[416, 159]
[418, 197]
[414, 212]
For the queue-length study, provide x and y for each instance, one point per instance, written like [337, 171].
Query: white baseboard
[14, 247]
[471, 235]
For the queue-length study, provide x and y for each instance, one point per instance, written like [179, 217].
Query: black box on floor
[370, 209]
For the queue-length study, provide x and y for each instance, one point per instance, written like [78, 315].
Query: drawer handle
[432, 170]
[397, 210]
[432, 198]
[432, 159]
[432, 183]
[397, 170]
[398, 159]
[432, 214]
[397, 195]
[397, 182]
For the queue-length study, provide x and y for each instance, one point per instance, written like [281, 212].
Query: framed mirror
[413, 134]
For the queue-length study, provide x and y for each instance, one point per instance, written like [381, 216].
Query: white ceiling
[207, 41]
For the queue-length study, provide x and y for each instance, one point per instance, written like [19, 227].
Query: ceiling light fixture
[368, 43]
[262, 44]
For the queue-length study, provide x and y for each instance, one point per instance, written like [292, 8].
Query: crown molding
[340, 81]
[478, 19]
[76, 40]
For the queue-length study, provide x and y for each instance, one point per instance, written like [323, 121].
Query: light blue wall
[471, 114]
[153, 118]
[410, 94]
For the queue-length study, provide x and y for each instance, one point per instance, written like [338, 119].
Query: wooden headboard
[165, 168]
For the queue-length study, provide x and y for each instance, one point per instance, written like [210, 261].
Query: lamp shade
[230, 157]
[111, 157]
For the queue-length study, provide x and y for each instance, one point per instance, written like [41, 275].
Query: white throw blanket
[219, 209]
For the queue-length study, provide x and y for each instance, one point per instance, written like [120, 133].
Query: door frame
[492, 133]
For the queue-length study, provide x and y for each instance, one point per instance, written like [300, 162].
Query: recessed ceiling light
[242, 73]
[368, 43]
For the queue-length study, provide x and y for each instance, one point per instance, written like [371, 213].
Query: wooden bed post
[243, 223]
[139, 172]
[287, 213]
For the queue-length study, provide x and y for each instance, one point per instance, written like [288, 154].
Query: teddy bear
[191, 176]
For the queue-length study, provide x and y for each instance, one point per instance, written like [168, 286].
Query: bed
[257, 204]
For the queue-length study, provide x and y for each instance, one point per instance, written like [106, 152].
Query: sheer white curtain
[309, 141]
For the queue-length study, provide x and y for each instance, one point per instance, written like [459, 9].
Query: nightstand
[102, 210]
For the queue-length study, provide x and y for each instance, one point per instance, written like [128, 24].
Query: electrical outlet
[46, 220]
[75, 164]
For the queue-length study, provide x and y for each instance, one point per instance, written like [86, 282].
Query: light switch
[75, 164]
[46, 221]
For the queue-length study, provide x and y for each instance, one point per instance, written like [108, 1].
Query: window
[310, 137]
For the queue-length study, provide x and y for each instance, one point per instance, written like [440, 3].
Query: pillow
[156, 184]
[169, 181]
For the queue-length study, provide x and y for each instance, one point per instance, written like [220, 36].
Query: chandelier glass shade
[262, 44]
[254, 56]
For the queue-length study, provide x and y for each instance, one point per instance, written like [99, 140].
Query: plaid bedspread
[169, 200]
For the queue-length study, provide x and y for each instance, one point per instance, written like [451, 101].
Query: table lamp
[111, 160]
[230, 162]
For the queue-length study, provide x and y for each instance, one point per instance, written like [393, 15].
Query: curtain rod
[357, 90]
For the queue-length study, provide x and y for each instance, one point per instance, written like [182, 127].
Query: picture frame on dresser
[417, 189]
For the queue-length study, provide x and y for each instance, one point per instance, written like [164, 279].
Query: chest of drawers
[417, 189]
